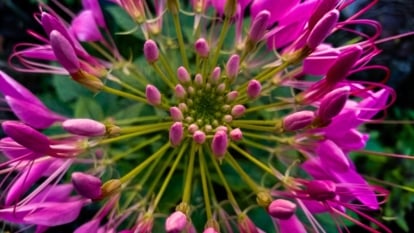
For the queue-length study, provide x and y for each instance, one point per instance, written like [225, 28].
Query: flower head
[202, 108]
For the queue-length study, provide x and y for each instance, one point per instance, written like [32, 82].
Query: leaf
[88, 108]
[67, 89]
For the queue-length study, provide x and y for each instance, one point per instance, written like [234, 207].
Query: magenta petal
[44, 52]
[277, 8]
[34, 115]
[373, 104]
[284, 35]
[55, 214]
[9, 87]
[14, 150]
[26, 136]
[93, 5]
[88, 227]
[318, 65]
[290, 225]
[357, 188]
[85, 28]
[300, 12]
[53, 193]
[332, 156]
[26, 179]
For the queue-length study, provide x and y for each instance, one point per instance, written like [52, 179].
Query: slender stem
[123, 94]
[129, 129]
[180, 38]
[273, 106]
[220, 42]
[162, 75]
[167, 66]
[169, 175]
[130, 135]
[230, 195]
[102, 51]
[204, 174]
[254, 127]
[144, 164]
[135, 148]
[256, 122]
[138, 120]
[229, 158]
[252, 159]
[189, 175]
[160, 171]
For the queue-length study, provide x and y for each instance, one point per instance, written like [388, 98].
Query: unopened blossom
[221, 106]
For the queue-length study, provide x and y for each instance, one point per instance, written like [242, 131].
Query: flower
[204, 110]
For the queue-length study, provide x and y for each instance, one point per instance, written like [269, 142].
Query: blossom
[211, 111]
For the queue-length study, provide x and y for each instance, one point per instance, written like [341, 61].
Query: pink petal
[85, 28]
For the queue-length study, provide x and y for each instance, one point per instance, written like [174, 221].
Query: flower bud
[298, 120]
[176, 133]
[180, 91]
[321, 190]
[199, 137]
[238, 110]
[153, 95]
[231, 96]
[176, 114]
[343, 64]
[236, 135]
[198, 80]
[183, 75]
[27, 136]
[232, 67]
[176, 222]
[215, 75]
[332, 103]
[202, 48]
[64, 52]
[258, 27]
[84, 127]
[151, 52]
[322, 29]
[253, 89]
[87, 185]
[219, 143]
[281, 209]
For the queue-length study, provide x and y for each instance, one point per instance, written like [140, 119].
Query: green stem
[160, 173]
[135, 148]
[131, 129]
[252, 159]
[163, 77]
[138, 120]
[169, 175]
[123, 94]
[220, 42]
[130, 175]
[254, 127]
[230, 195]
[256, 122]
[131, 135]
[180, 38]
[204, 174]
[274, 106]
[229, 158]
[189, 175]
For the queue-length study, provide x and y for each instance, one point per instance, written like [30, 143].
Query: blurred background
[395, 136]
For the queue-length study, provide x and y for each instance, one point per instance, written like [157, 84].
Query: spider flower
[221, 109]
